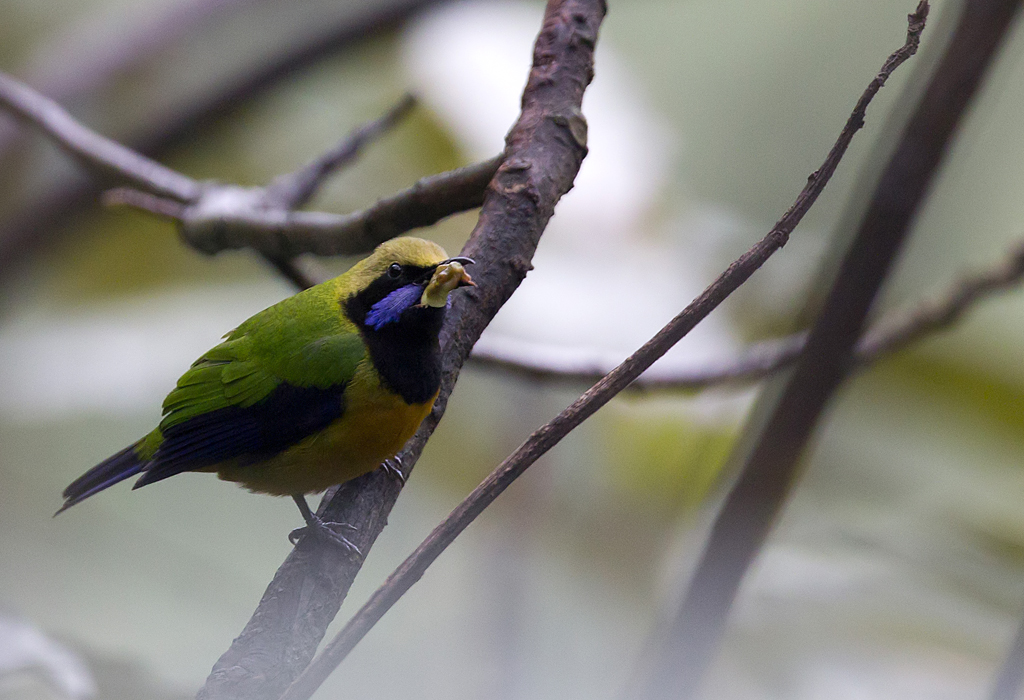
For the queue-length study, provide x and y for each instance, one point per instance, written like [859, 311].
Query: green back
[304, 340]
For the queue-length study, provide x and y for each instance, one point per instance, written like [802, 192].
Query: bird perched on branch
[316, 390]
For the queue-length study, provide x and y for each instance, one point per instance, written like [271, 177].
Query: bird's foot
[393, 468]
[326, 532]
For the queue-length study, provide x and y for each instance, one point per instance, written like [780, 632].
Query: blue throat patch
[390, 308]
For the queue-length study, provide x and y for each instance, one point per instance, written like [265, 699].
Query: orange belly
[375, 426]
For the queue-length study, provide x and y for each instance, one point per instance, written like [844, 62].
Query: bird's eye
[395, 271]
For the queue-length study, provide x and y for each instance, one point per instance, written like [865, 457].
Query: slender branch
[406, 575]
[778, 432]
[545, 149]
[901, 329]
[893, 333]
[296, 188]
[98, 153]
[215, 216]
[544, 363]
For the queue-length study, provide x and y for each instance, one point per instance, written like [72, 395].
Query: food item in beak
[447, 276]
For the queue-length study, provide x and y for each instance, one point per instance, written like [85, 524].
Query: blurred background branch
[295, 189]
[24, 230]
[242, 223]
[102, 155]
[781, 427]
[267, 210]
[214, 216]
[892, 333]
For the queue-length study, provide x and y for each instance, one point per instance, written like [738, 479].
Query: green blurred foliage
[660, 459]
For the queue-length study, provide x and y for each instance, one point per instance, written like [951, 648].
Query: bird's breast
[375, 425]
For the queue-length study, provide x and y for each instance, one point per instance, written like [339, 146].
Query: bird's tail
[124, 464]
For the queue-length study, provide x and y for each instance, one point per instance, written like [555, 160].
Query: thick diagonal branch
[545, 149]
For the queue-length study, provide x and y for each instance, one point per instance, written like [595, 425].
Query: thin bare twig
[545, 149]
[284, 193]
[545, 363]
[96, 152]
[292, 190]
[296, 188]
[900, 329]
[781, 427]
[893, 333]
[406, 575]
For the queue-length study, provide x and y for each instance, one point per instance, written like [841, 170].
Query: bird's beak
[447, 276]
[466, 280]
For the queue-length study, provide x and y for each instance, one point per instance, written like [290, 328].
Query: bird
[313, 391]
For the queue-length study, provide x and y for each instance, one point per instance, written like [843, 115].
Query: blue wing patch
[286, 416]
[390, 308]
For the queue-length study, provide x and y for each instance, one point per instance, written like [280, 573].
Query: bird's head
[404, 275]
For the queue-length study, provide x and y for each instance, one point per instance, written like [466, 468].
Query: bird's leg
[321, 529]
[393, 468]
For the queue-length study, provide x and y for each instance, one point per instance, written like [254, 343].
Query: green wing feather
[304, 340]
